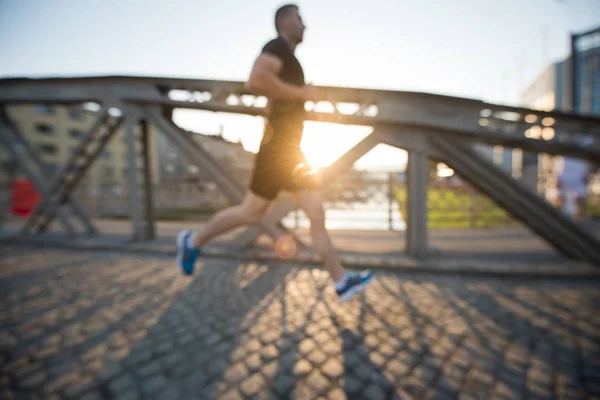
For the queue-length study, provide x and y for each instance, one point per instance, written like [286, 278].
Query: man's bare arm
[264, 80]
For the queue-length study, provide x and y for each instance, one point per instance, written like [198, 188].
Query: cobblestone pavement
[108, 325]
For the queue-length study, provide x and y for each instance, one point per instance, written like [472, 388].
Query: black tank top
[285, 119]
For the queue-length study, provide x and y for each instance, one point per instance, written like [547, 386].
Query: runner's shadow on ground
[219, 328]
[541, 342]
[362, 378]
[323, 358]
[129, 326]
[124, 325]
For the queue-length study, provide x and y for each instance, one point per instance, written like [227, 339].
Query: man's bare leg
[189, 243]
[249, 212]
[346, 283]
[311, 203]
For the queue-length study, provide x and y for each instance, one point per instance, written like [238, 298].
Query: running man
[278, 75]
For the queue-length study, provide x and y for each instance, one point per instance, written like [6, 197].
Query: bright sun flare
[323, 143]
[318, 151]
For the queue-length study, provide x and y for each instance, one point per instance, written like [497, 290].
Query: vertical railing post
[135, 205]
[473, 196]
[390, 201]
[149, 232]
[416, 204]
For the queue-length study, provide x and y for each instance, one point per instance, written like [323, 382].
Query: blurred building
[556, 88]
[54, 131]
[546, 93]
[231, 156]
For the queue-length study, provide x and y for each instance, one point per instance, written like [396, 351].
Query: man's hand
[311, 93]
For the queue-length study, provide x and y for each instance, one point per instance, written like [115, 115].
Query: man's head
[288, 23]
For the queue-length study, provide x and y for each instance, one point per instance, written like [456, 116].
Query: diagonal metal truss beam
[195, 153]
[284, 207]
[21, 152]
[548, 222]
[409, 140]
[70, 175]
[518, 200]
[14, 147]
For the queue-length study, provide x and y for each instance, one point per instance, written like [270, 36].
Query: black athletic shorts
[273, 168]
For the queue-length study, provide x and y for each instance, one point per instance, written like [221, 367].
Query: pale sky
[488, 50]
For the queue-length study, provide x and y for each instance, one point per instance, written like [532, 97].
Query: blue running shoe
[355, 283]
[186, 256]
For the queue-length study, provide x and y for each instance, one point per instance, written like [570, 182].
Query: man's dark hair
[283, 11]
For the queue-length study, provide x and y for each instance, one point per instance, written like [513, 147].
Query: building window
[51, 169]
[45, 129]
[44, 108]
[74, 150]
[76, 133]
[76, 114]
[48, 148]
[107, 172]
[8, 167]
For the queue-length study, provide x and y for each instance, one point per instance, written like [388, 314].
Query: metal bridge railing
[360, 200]
[429, 127]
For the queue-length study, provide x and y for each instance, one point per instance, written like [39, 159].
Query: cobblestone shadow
[109, 325]
[564, 354]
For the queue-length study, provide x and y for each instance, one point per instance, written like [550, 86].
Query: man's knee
[252, 217]
[316, 215]
[312, 205]
[253, 209]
